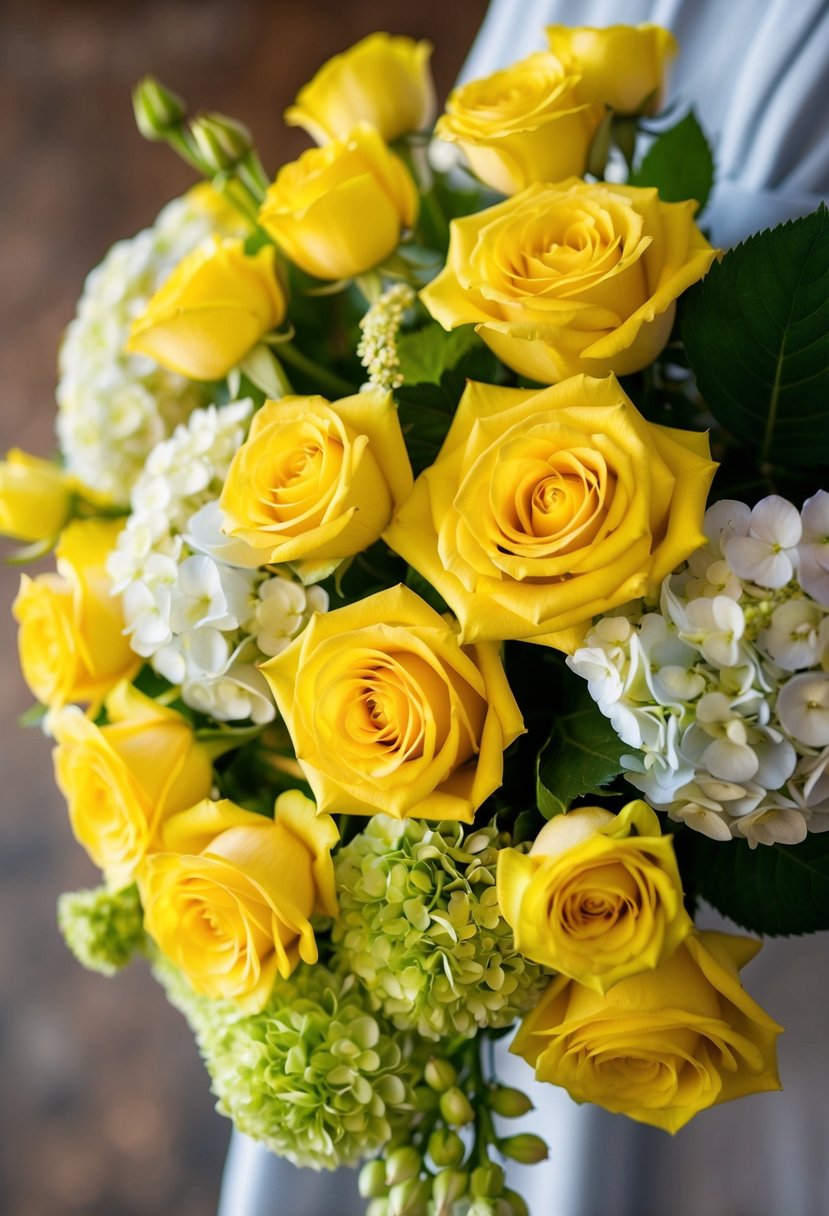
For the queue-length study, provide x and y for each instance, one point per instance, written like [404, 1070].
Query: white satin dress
[757, 73]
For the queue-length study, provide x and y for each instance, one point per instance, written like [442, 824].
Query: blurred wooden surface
[105, 1108]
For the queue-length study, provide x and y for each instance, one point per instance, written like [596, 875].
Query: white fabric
[757, 73]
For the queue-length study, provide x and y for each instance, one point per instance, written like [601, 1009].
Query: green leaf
[679, 163]
[581, 757]
[773, 889]
[429, 352]
[755, 330]
[33, 716]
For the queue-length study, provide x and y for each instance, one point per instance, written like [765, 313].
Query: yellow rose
[570, 278]
[388, 713]
[622, 66]
[663, 1045]
[35, 497]
[71, 640]
[339, 210]
[383, 80]
[317, 482]
[214, 307]
[526, 123]
[599, 896]
[122, 779]
[548, 506]
[228, 900]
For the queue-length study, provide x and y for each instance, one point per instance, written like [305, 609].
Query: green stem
[327, 379]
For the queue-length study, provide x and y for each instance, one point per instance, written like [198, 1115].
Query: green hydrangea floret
[102, 928]
[420, 926]
[316, 1076]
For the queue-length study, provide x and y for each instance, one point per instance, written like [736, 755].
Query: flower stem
[327, 379]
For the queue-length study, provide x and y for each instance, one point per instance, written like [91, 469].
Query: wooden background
[104, 1105]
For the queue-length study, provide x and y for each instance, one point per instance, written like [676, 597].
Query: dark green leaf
[422, 587]
[756, 331]
[773, 889]
[581, 756]
[679, 163]
[429, 352]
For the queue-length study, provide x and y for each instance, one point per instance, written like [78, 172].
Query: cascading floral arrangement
[383, 557]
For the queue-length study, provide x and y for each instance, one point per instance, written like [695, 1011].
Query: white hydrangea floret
[768, 554]
[813, 550]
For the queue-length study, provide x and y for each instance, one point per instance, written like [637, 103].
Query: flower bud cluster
[113, 407]
[723, 694]
[420, 926]
[315, 1076]
[196, 604]
[377, 348]
[102, 928]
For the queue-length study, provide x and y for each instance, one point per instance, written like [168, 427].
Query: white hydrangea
[723, 694]
[113, 407]
[196, 604]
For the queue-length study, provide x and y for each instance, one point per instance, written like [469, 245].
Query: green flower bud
[403, 1164]
[487, 1181]
[447, 1188]
[509, 1103]
[440, 1074]
[371, 1181]
[524, 1148]
[409, 1198]
[517, 1203]
[157, 110]
[446, 1148]
[378, 1207]
[102, 928]
[222, 142]
[456, 1107]
[425, 1099]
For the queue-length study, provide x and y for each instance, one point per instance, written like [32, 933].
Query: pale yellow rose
[387, 712]
[71, 640]
[382, 80]
[121, 780]
[527, 123]
[317, 482]
[660, 1046]
[210, 312]
[35, 497]
[621, 66]
[548, 506]
[228, 899]
[598, 897]
[339, 210]
[573, 277]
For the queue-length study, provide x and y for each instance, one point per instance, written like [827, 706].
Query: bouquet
[407, 678]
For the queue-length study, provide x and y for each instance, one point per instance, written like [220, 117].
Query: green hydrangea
[316, 1076]
[102, 928]
[420, 925]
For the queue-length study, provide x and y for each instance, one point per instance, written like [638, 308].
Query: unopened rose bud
[402, 1164]
[222, 142]
[440, 1074]
[409, 1198]
[509, 1103]
[517, 1203]
[456, 1107]
[524, 1148]
[157, 110]
[446, 1148]
[447, 1188]
[371, 1181]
